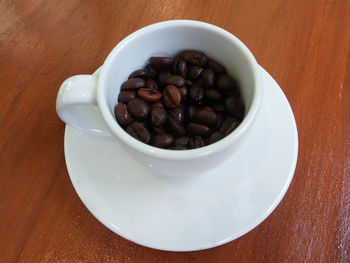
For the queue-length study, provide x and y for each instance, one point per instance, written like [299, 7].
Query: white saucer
[184, 214]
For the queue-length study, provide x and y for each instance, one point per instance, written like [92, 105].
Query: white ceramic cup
[87, 102]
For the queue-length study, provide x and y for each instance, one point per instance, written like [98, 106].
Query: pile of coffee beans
[180, 103]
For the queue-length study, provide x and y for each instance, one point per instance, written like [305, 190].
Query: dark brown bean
[138, 108]
[183, 141]
[139, 131]
[149, 95]
[178, 147]
[140, 73]
[219, 107]
[151, 84]
[171, 96]
[197, 93]
[213, 94]
[123, 116]
[180, 67]
[158, 116]
[235, 107]
[194, 57]
[163, 140]
[196, 142]
[225, 82]
[183, 91]
[208, 78]
[216, 67]
[206, 117]
[162, 77]
[126, 95]
[228, 125]
[157, 104]
[134, 83]
[194, 72]
[158, 130]
[175, 127]
[219, 120]
[190, 113]
[198, 129]
[175, 80]
[215, 136]
[152, 73]
[162, 63]
[177, 114]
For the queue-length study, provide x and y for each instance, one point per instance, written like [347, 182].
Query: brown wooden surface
[304, 45]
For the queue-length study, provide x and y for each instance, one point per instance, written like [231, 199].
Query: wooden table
[304, 45]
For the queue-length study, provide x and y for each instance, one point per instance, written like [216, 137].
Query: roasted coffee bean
[126, 95]
[213, 94]
[163, 140]
[208, 108]
[162, 63]
[123, 116]
[138, 108]
[140, 73]
[194, 72]
[194, 57]
[151, 84]
[208, 78]
[175, 80]
[198, 129]
[175, 127]
[225, 83]
[162, 77]
[180, 67]
[183, 91]
[178, 147]
[219, 120]
[158, 116]
[206, 117]
[177, 114]
[183, 141]
[196, 142]
[190, 113]
[235, 107]
[219, 107]
[157, 104]
[215, 136]
[158, 130]
[150, 95]
[197, 93]
[152, 73]
[228, 125]
[216, 67]
[132, 84]
[139, 132]
[171, 96]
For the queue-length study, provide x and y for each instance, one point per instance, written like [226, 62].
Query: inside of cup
[134, 52]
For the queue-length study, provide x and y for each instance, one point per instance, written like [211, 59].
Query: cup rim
[190, 154]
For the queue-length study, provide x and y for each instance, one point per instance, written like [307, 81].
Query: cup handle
[76, 105]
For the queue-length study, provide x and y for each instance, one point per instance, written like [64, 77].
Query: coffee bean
[158, 129]
[140, 73]
[197, 93]
[134, 83]
[175, 80]
[149, 95]
[208, 78]
[194, 57]
[139, 131]
[177, 114]
[218, 107]
[162, 63]
[178, 147]
[126, 95]
[208, 108]
[162, 77]
[182, 141]
[180, 67]
[213, 94]
[194, 72]
[228, 125]
[138, 108]
[183, 91]
[198, 129]
[157, 104]
[216, 67]
[171, 96]
[219, 120]
[225, 82]
[175, 127]
[152, 73]
[235, 107]
[206, 117]
[158, 116]
[122, 115]
[215, 136]
[151, 84]
[163, 140]
[190, 113]
[196, 142]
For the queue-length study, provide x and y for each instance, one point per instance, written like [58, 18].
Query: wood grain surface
[303, 44]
